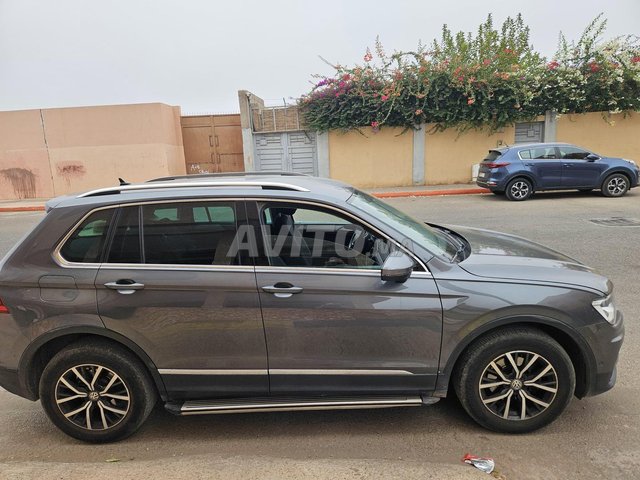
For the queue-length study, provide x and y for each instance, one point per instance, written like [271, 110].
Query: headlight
[631, 162]
[606, 308]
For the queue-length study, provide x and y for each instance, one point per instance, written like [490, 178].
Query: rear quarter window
[86, 243]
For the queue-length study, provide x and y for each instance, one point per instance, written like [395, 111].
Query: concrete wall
[25, 171]
[388, 158]
[382, 159]
[616, 137]
[44, 153]
[449, 155]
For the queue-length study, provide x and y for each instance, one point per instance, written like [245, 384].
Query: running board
[279, 404]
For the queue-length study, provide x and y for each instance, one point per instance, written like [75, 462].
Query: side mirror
[397, 267]
[592, 157]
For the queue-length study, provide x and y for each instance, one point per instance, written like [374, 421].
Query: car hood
[500, 255]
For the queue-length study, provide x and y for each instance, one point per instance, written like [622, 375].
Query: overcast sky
[199, 53]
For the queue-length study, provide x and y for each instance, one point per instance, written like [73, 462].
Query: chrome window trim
[62, 262]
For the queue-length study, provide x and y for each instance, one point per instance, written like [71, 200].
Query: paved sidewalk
[37, 204]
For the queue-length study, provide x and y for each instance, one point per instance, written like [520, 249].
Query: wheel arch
[525, 175]
[568, 338]
[41, 351]
[607, 173]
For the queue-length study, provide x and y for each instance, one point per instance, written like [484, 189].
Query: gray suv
[225, 294]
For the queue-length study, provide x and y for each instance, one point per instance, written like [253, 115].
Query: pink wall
[45, 153]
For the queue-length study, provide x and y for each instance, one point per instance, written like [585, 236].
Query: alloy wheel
[518, 385]
[519, 190]
[616, 186]
[92, 397]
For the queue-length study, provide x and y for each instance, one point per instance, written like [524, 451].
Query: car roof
[520, 146]
[236, 185]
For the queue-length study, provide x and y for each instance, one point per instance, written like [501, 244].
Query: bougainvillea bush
[491, 79]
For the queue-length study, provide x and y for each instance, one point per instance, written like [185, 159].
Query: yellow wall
[381, 159]
[449, 155]
[616, 137]
[51, 152]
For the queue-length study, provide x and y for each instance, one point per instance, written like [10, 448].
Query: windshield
[411, 229]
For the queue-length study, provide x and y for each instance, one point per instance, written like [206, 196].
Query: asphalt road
[595, 438]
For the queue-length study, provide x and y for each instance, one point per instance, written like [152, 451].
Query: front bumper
[605, 342]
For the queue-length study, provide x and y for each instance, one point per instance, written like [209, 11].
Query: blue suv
[518, 171]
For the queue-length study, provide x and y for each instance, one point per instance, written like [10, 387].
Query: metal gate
[212, 143]
[287, 151]
[530, 132]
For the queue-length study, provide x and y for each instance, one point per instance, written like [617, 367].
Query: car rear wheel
[519, 189]
[615, 185]
[515, 380]
[96, 392]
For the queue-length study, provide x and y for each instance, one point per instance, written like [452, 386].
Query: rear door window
[538, 153]
[190, 233]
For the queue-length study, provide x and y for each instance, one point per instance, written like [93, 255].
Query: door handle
[529, 164]
[566, 164]
[282, 290]
[125, 287]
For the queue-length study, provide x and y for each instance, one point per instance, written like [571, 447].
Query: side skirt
[279, 404]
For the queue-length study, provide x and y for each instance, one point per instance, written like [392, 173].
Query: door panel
[577, 171]
[351, 332]
[194, 311]
[544, 164]
[332, 325]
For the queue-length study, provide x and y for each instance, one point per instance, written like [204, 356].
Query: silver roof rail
[163, 186]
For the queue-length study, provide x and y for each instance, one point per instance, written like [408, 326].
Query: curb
[432, 193]
[34, 208]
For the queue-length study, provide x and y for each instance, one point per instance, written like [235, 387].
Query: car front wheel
[96, 392]
[519, 189]
[515, 380]
[615, 185]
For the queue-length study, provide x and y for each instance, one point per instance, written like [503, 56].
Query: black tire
[497, 192]
[519, 189]
[122, 385]
[615, 185]
[476, 365]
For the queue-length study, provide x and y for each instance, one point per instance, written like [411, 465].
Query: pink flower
[367, 56]
[635, 59]
[375, 125]
[384, 98]
[419, 111]
[486, 62]
[471, 101]
[553, 65]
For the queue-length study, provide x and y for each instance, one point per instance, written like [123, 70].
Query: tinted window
[492, 155]
[538, 153]
[310, 236]
[190, 233]
[573, 153]
[87, 241]
[125, 246]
